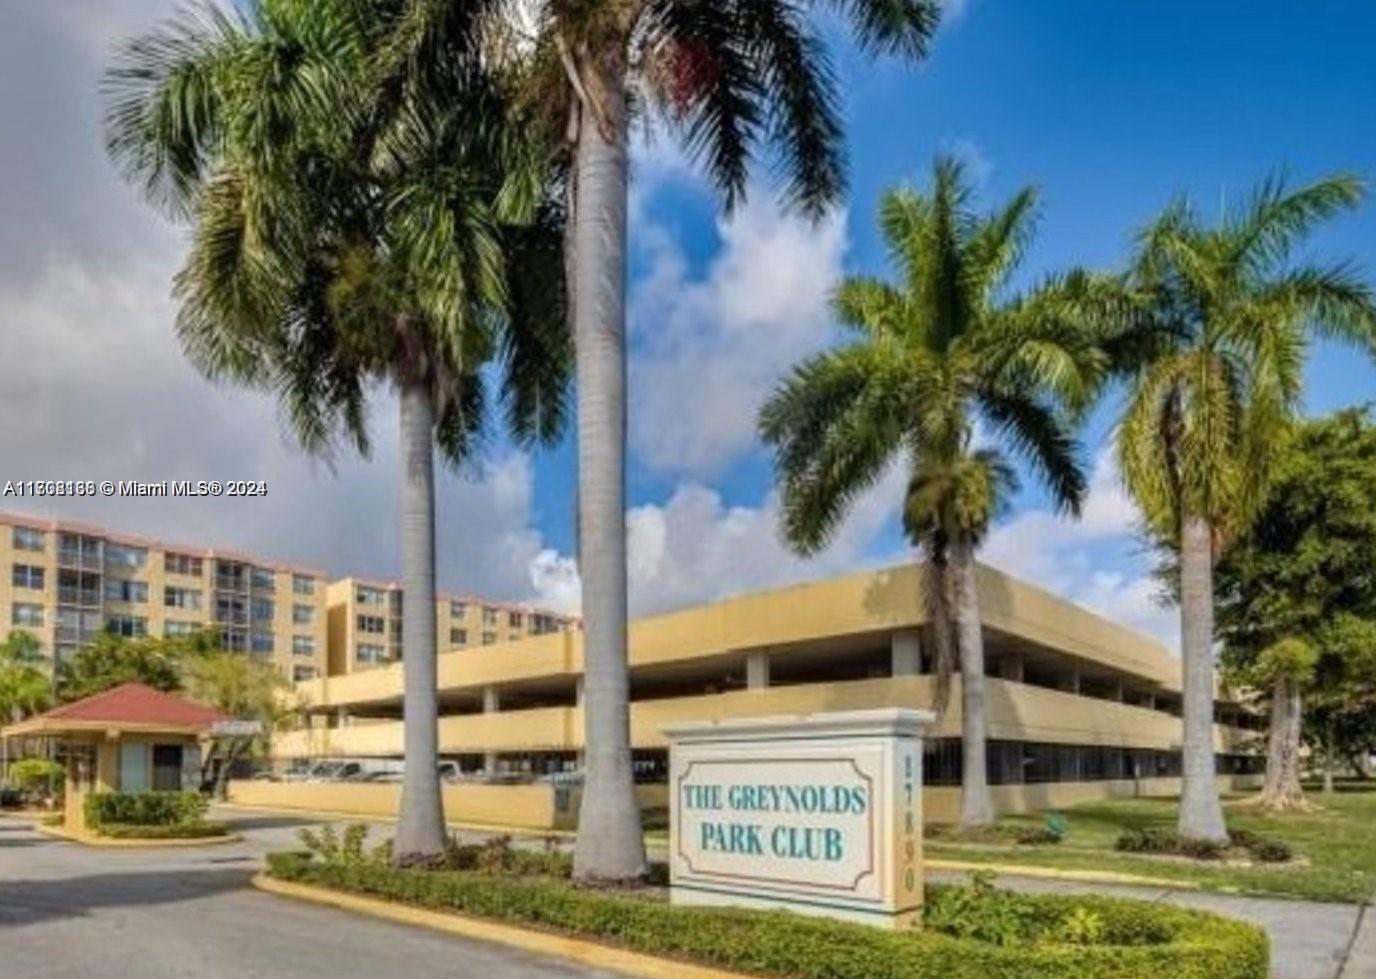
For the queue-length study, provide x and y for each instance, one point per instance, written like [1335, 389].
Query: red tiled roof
[136, 703]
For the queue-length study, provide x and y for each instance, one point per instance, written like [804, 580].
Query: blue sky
[1109, 108]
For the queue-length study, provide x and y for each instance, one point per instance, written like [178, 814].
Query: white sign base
[820, 814]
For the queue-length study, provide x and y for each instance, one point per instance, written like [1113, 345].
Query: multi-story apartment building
[65, 582]
[1077, 706]
[365, 623]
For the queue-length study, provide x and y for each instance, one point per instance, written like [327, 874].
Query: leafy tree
[26, 685]
[363, 214]
[109, 660]
[1209, 410]
[245, 689]
[940, 350]
[1293, 593]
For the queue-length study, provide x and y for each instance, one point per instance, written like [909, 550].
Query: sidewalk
[1309, 940]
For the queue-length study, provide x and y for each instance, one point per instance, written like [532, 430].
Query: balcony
[88, 597]
[85, 560]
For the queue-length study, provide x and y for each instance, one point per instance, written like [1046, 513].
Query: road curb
[578, 950]
[99, 842]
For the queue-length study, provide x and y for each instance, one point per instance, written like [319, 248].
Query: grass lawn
[1338, 844]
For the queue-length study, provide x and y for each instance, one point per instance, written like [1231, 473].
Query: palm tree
[730, 77]
[350, 230]
[942, 352]
[1209, 412]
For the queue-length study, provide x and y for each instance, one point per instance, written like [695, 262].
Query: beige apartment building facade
[66, 582]
[365, 623]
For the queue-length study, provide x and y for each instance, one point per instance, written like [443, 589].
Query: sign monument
[820, 814]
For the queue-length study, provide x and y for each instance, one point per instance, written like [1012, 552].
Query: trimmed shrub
[1271, 851]
[173, 831]
[145, 808]
[1037, 836]
[1147, 841]
[1263, 849]
[1051, 936]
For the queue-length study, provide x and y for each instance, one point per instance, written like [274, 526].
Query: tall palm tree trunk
[609, 846]
[1201, 813]
[976, 807]
[1282, 789]
[420, 830]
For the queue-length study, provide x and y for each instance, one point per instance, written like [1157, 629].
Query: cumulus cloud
[1095, 561]
[708, 349]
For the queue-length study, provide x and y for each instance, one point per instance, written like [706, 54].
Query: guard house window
[27, 615]
[28, 539]
[372, 623]
[27, 576]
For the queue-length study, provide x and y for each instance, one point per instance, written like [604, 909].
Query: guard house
[130, 738]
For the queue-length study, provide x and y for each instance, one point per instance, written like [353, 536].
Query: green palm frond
[1264, 234]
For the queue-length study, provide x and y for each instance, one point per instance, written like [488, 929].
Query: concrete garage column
[341, 717]
[905, 654]
[492, 702]
[757, 671]
[1070, 680]
[1010, 667]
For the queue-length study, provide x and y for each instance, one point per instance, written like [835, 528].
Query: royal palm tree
[1209, 412]
[951, 374]
[351, 231]
[732, 78]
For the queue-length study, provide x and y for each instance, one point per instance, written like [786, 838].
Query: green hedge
[172, 831]
[1159, 941]
[145, 808]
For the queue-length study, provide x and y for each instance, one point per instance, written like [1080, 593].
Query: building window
[261, 609]
[262, 642]
[172, 628]
[230, 575]
[129, 626]
[370, 654]
[302, 584]
[458, 637]
[372, 623]
[303, 645]
[187, 598]
[27, 576]
[182, 564]
[124, 590]
[27, 615]
[124, 557]
[234, 640]
[263, 578]
[457, 610]
[489, 638]
[28, 539]
[231, 609]
[303, 614]
[300, 674]
[515, 619]
[489, 616]
[371, 596]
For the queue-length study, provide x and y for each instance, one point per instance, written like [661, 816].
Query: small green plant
[1081, 927]
[346, 849]
[980, 911]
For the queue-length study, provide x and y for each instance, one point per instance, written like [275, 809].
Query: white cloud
[706, 351]
[1095, 561]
